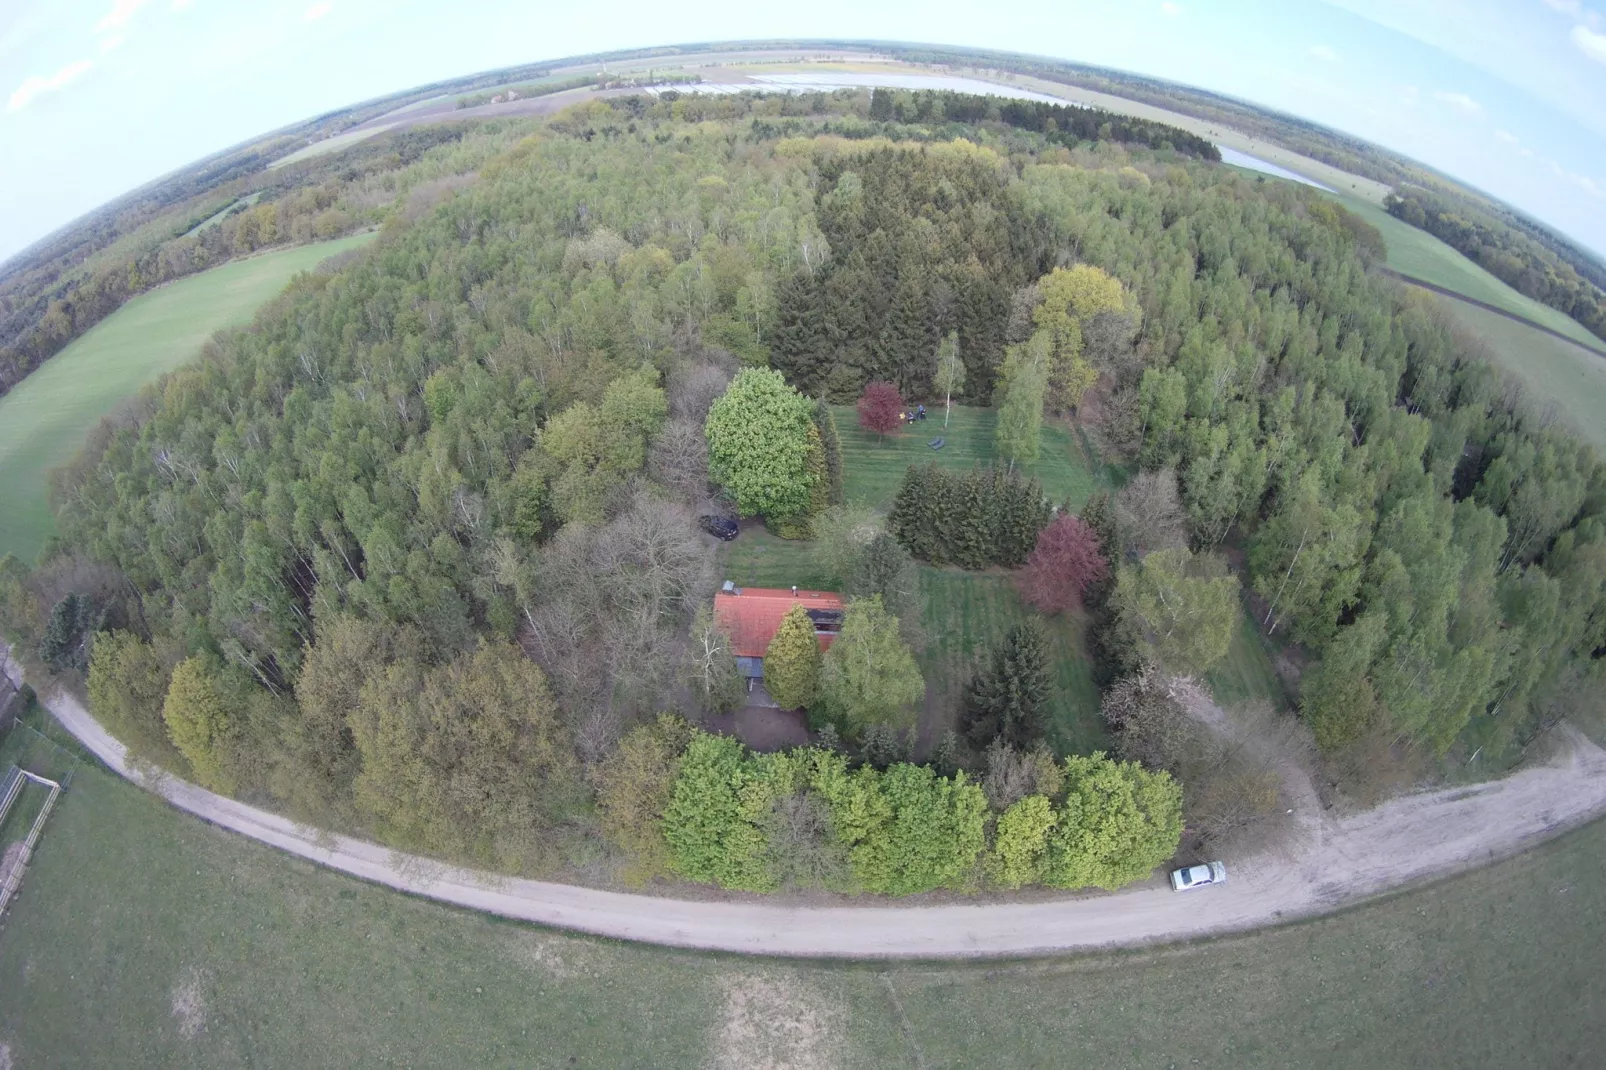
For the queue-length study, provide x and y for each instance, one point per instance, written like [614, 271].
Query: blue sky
[100, 96]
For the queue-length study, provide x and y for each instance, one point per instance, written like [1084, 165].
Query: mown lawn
[144, 937]
[43, 422]
[875, 466]
[966, 613]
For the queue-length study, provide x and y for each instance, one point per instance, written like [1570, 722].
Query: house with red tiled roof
[750, 616]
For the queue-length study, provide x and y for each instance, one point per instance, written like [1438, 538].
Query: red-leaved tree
[1066, 561]
[880, 408]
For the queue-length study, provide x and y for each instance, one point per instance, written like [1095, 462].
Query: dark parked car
[720, 527]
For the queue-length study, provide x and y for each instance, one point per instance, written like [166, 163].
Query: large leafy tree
[1020, 410]
[759, 441]
[1118, 822]
[634, 786]
[469, 759]
[1068, 300]
[128, 683]
[869, 675]
[1182, 607]
[201, 724]
[792, 661]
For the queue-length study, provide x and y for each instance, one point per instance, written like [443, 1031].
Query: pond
[1255, 163]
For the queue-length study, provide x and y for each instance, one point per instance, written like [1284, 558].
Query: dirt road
[1408, 839]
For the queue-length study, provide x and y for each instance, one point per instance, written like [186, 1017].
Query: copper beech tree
[1065, 563]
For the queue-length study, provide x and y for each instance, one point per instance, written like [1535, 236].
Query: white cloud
[183, 5]
[1170, 10]
[1508, 137]
[1566, 7]
[1583, 182]
[120, 14]
[1459, 100]
[1325, 53]
[1590, 43]
[317, 11]
[34, 86]
[111, 42]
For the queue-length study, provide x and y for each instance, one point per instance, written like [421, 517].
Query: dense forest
[1561, 278]
[416, 555]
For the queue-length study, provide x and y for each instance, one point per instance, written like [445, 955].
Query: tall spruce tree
[825, 423]
[884, 569]
[1008, 699]
[800, 346]
[792, 662]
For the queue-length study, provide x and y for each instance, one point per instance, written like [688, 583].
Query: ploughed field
[43, 422]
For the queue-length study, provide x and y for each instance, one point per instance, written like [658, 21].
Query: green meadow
[44, 420]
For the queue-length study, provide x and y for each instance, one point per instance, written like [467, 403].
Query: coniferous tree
[825, 423]
[884, 568]
[800, 346]
[1009, 698]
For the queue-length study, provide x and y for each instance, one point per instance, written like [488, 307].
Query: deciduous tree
[1066, 562]
[880, 408]
[869, 676]
[759, 439]
[792, 661]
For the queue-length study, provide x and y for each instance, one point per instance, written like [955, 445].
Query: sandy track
[1409, 839]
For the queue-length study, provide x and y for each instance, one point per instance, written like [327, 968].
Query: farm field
[338, 143]
[44, 420]
[875, 467]
[143, 937]
[1551, 369]
[1420, 255]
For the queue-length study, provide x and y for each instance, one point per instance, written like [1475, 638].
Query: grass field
[1420, 255]
[1247, 674]
[875, 467]
[44, 420]
[1552, 369]
[146, 938]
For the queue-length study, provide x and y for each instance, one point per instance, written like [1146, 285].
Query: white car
[1198, 876]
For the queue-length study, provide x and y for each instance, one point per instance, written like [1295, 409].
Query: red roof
[752, 615]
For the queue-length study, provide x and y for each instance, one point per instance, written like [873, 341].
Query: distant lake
[1255, 163]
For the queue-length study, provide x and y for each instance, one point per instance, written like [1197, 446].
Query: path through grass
[146, 938]
[44, 420]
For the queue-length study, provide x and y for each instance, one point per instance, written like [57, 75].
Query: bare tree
[678, 459]
[693, 388]
[1149, 514]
